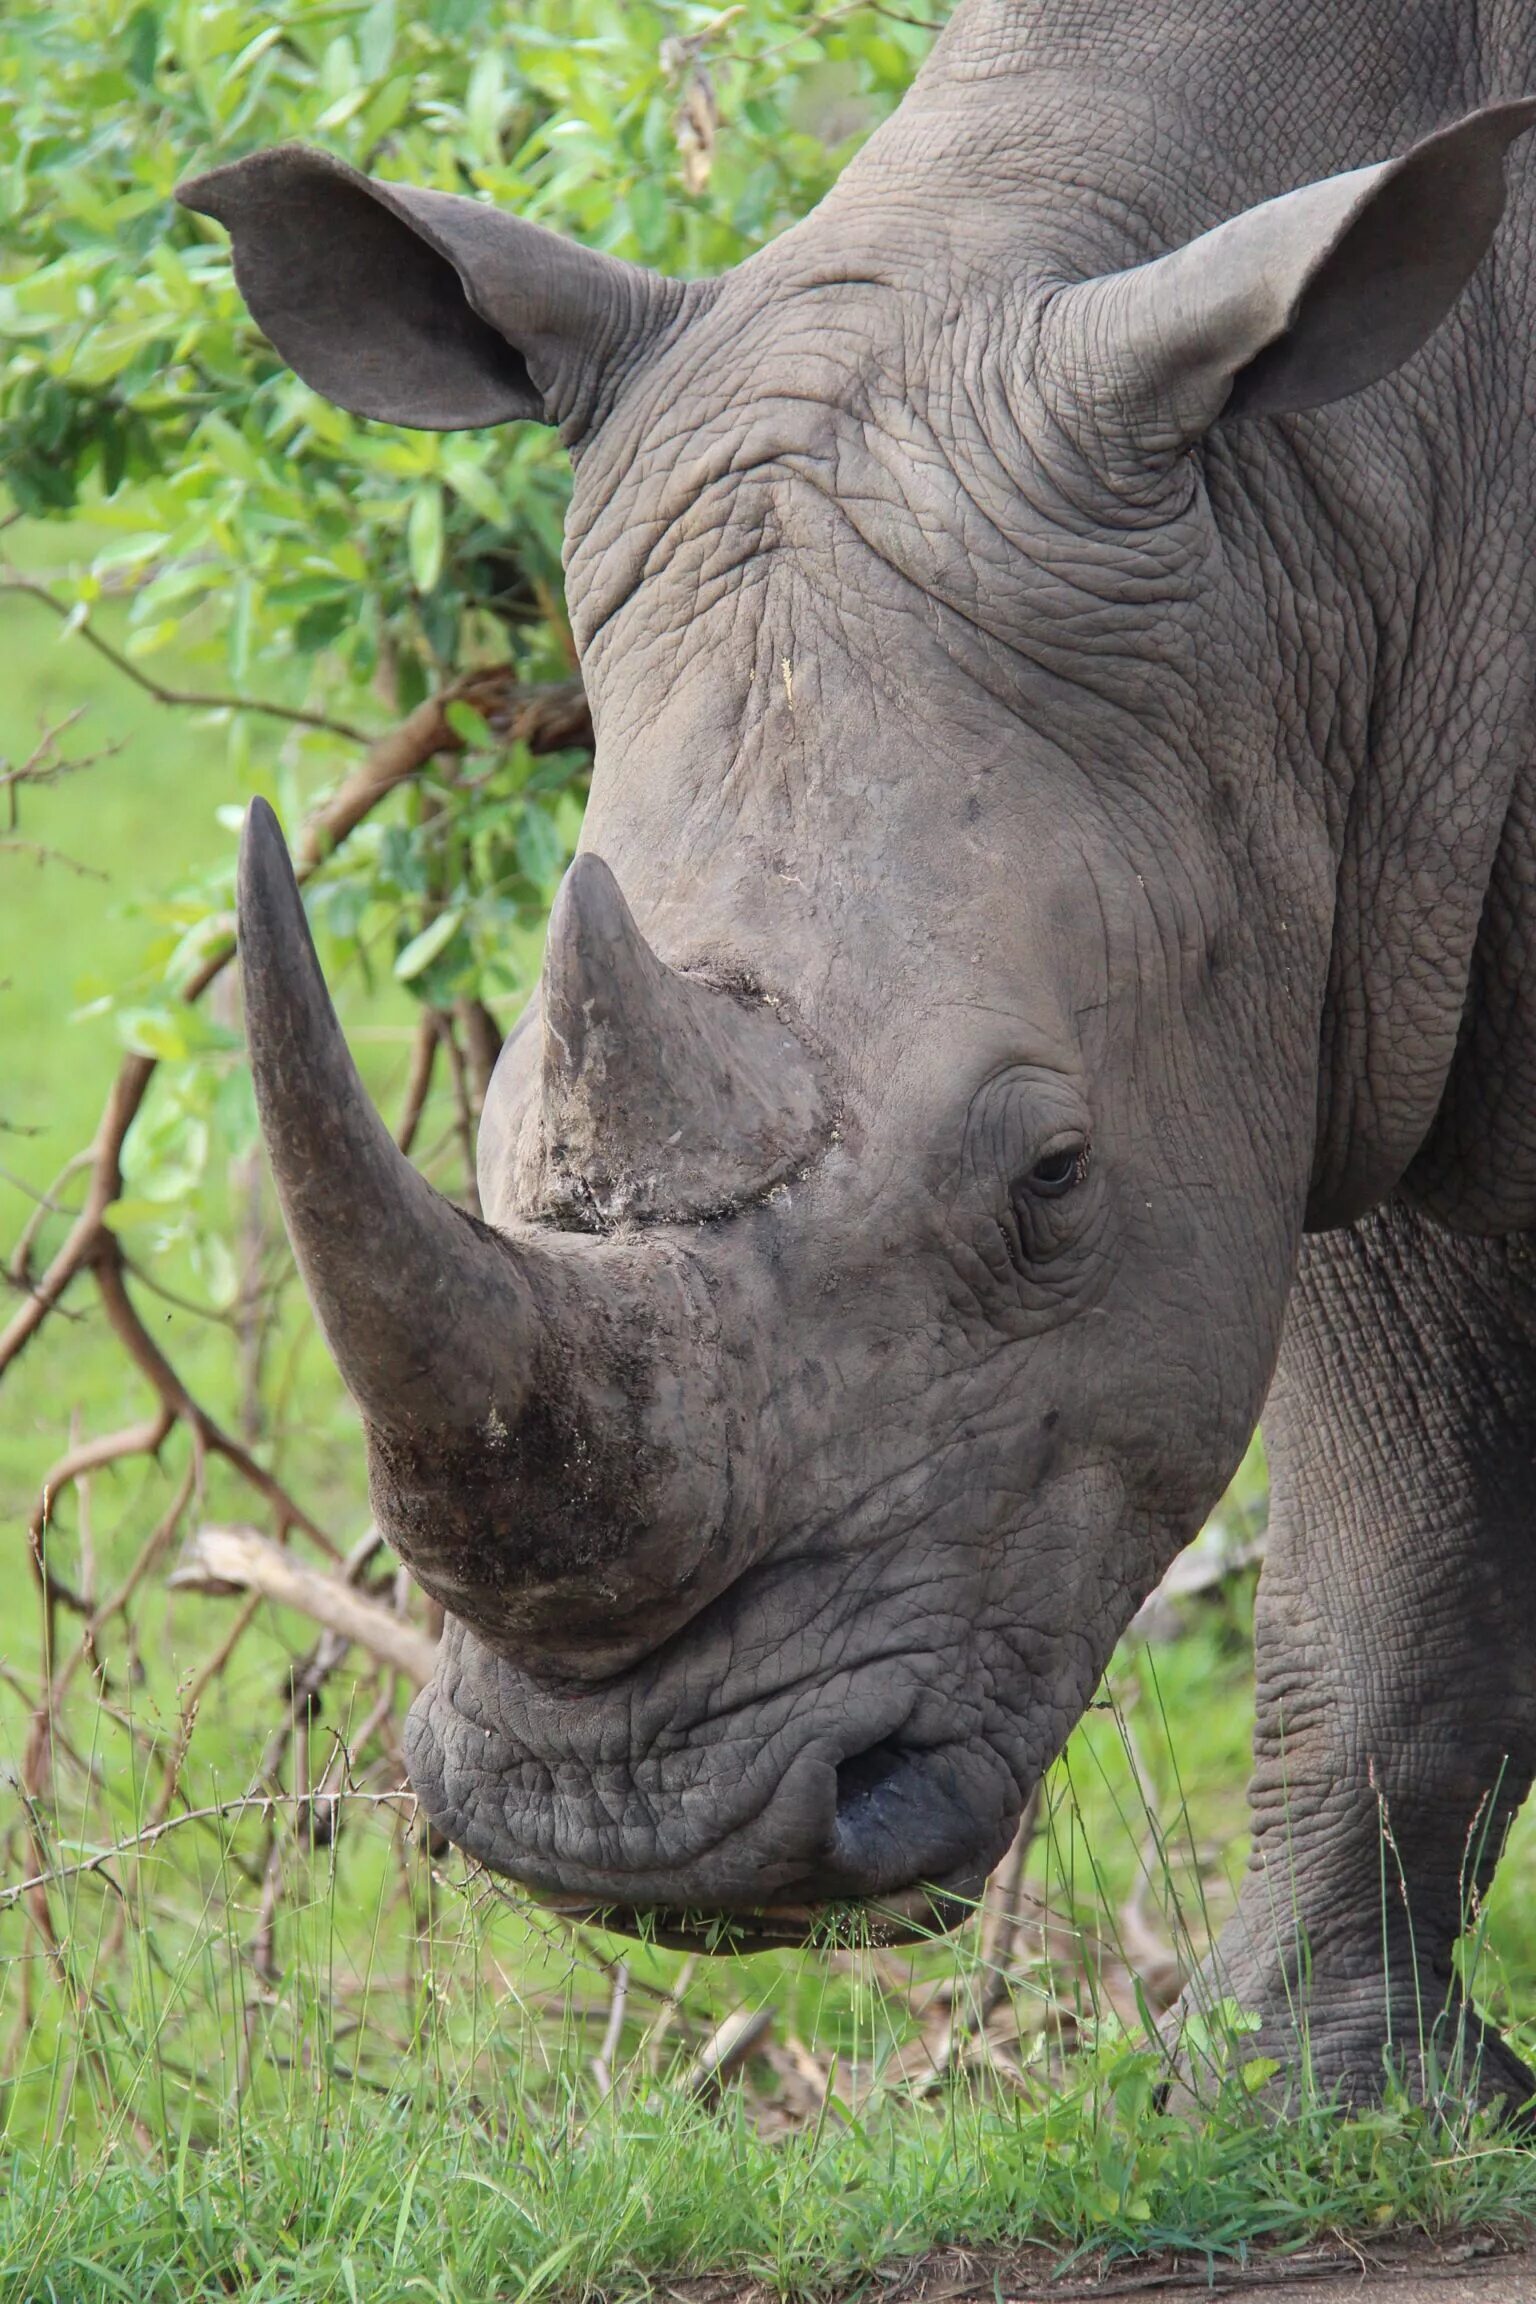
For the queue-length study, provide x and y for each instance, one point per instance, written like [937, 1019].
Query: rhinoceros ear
[426, 308]
[1294, 303]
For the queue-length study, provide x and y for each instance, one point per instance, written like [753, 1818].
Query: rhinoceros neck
[1126, 126]
[1275, 91]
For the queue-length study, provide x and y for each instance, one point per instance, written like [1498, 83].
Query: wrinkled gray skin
[1065, 744]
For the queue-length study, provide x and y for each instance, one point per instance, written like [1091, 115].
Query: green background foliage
[214, 2022]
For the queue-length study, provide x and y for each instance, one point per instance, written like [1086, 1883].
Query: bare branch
[46, 763]
[419, 1082]
[152, 1363]
[464, 1110]
[603, 2061]
[48, 1203]
[549, 718]
[482, 1045]
[88, 1457]
[123, 1101]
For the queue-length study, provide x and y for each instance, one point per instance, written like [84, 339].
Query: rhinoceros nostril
[888, 1803]
[864, 1776]
[905, 1813]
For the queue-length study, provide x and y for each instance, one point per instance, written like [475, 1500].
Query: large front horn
[547, 1442]
[661, 1097]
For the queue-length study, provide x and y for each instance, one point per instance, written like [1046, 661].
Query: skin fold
[1058, 629]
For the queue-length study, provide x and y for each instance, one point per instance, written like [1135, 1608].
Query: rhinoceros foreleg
[1396, 1655]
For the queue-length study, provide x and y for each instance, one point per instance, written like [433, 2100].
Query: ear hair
[426, 308]
[1291, 304]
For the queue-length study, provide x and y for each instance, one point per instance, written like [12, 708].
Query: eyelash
[1060, 1180]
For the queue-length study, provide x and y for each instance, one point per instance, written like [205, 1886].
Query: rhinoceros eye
[1061, 1169]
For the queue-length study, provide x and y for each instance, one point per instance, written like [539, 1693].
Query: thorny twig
[547, 718]
[45, 765]
[267, 1804]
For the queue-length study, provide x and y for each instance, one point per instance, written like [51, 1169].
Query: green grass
[398, 2092]
[454, 2191]
[407, 2101]
[239, 2061]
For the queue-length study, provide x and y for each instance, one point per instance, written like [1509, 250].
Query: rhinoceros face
[894, 1189]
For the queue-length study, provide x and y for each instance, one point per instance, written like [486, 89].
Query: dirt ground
[1469, 2271]
[1472, 2270]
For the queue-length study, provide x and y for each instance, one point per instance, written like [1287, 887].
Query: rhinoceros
[1051, 966]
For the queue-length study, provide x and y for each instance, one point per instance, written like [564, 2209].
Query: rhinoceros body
[1055, 938]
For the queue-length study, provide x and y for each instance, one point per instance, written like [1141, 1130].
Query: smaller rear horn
[662, 1097]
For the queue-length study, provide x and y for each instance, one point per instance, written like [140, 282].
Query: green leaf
[1258, 2072]
[173, 1033]
[157, 1032]
[470, 726]
[540, 851]
[424, 537]
[478, 490]
[120, 1215]
[376, 39]
[141, 45]
[483, 103]
[422, 950]
[213, 1261]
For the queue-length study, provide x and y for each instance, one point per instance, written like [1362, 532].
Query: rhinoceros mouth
[934, 1908]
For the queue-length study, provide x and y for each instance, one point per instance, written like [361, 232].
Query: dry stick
[123, 1101]
[1002, 1912]
[482, 1044]
[337, 1774]
[43, 1732]
[307, 1680]
[222, 1560]
[40, 853]
[602, 2062]
[463, 1110]
[83, 1459]
[651, 2046]
[85, 1521]
[181, 1744]
[38, 767]
[116, 1604]
[418, 1084]
[726, 2050]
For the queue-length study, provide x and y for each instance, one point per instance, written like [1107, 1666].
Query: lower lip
[904, 1919]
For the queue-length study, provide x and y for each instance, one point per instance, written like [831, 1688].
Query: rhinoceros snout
[722, 1830]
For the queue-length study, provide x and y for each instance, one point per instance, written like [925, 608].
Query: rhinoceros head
[892, 1194]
